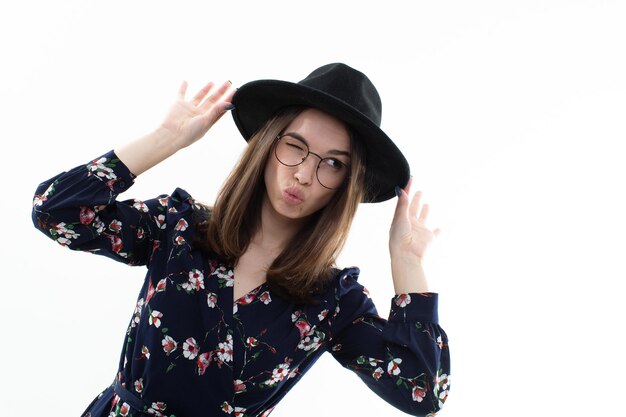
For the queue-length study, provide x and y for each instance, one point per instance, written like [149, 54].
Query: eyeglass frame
[281, 135]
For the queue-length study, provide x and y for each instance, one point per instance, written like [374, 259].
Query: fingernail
[229, 107]
[398, 191]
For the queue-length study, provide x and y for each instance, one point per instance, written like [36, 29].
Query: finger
[423, 214]
[401, 205]
[407, 188]
[202, 93]
[182, 90]
[223, 92]
[415, 204]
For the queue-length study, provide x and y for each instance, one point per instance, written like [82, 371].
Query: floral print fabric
[191, 350]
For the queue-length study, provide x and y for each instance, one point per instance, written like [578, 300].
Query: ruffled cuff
[109, 169]
[414, 307]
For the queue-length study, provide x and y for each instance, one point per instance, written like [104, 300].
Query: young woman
[241, 298]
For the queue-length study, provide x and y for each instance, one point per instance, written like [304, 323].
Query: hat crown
[348, 85]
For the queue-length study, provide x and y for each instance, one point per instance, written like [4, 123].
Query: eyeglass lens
[291, 151]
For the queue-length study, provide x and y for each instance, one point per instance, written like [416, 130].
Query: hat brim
[386, 167]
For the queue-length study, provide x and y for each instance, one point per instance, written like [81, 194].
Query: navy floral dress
[191, 350]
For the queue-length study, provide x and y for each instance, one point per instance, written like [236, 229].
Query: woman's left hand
[409, 236]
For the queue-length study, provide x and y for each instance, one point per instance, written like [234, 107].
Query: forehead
[321, 130]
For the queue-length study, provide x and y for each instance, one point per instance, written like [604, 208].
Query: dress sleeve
[405, 360]
[78, 209]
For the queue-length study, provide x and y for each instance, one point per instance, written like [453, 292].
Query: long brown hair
[305, 266]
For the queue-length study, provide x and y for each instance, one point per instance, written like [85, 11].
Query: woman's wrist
[408, 275]
[148, 150]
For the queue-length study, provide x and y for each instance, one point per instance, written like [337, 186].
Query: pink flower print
[160, 221]
[312, 341]
[225, 277]
[116, 243]
[150, 292]
[239, 386]
[190, 348]
[182, 225]
[140, 233]
[322, 315]
[267, 412]
[278, 374]
[441, 388]
[115, 226]
[418, 394]
[393, 367]
[155, 318]
[179, 240]
[439, 342]
[403, 300]
[211, 299]
[366, 292]
[98, 225]
[248, 298]
[63, 241]
[195, 282]
[157, 408]
[295, 315]
[140, 205]
[203, 362]
[163, 201]
[378, 372]
[65, 234]
[98, 169]
[139, 385]
[137, 313]
[145, 353]
[86, 215]
[124, 409]
[265, 297]
[169, 345]
[337, 347]
[239, 412]
[225, 349]
[227, 408]
[161, 285]
[252, 342]
[303, 326]
[39, 199]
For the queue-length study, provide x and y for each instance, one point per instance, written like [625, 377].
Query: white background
[511, 114]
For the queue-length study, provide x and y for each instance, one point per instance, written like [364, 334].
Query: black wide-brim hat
[340, 91]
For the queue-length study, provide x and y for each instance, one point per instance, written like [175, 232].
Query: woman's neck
[275, 231]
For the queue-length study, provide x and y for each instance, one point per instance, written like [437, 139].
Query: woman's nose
[305, 172]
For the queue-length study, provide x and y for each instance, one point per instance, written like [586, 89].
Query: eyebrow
[330, 152]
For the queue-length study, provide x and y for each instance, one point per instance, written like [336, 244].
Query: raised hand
[189, 120]
[186, 122]
[409, 237]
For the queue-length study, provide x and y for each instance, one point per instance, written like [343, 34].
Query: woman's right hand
[188, 121]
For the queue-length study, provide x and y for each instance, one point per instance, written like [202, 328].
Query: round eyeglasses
[292, 151]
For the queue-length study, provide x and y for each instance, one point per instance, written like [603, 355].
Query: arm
[405, 360]
[408, 240]
[78, 208]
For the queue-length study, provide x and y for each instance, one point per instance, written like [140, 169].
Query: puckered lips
[293, 196]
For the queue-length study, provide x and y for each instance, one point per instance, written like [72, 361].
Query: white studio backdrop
[511, 114]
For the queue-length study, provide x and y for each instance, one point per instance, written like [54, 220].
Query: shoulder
[179, 210]
[345, 289]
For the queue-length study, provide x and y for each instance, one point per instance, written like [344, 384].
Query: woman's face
[294, 192]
